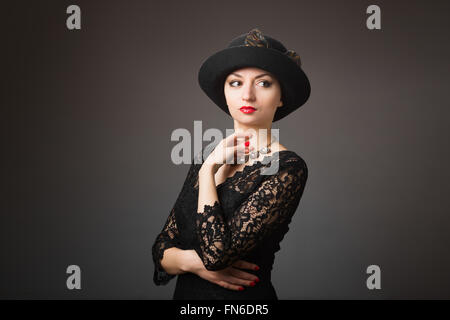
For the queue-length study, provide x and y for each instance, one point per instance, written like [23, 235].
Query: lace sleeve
[270, 206]
[169, 237]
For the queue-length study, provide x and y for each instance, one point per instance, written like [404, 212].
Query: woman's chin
[252, 119]
[247, 120]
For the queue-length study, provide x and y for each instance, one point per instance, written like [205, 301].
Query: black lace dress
[248, 224]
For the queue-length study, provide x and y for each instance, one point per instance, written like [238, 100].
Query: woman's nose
[248, 93]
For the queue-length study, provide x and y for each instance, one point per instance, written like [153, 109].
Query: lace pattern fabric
[271, 205]
[252, 209]
[169, 236]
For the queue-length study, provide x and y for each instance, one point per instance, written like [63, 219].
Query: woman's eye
[265, 83]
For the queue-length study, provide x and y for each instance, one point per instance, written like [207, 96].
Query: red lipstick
[247, 109]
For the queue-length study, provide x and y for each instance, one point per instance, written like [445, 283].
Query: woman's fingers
[242, 149]
[237, 152]
[235, 138]
[230, 279]
[245, 265]
[233, 148]
[240, 153]
[235, 279]
[245, 276]
[230, 286]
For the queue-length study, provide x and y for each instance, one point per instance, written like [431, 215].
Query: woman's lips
[247, 109]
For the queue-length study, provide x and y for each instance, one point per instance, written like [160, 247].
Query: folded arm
[263, 212]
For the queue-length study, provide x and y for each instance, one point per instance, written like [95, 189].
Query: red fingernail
[247, 143]
[252, 283]
[257, 279]
[240, 288]
[256, 268]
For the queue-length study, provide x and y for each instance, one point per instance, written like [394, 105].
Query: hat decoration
[255, 38]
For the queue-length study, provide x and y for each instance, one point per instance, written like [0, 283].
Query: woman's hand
[228, 151]
[228, 278]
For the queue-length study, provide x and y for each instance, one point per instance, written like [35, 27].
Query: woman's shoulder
[286, 162]
[290, 158]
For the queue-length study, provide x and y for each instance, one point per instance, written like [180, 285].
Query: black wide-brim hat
[254, 49]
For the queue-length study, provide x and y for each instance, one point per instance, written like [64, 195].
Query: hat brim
[294, 83]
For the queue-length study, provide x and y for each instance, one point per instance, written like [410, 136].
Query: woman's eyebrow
[258, 76]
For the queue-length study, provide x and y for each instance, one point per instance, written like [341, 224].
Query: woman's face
[254, 88]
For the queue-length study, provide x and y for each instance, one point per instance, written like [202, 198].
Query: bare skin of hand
[228, 278]
[228, 151]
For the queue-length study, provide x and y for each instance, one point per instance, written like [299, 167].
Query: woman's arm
[269, 208]
[167, 258]
[168, 238]
[228, 149]
[207, 191]
[177, 261]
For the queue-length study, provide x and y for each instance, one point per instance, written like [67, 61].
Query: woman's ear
[281, 103]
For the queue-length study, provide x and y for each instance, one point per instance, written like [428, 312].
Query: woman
[230, 218]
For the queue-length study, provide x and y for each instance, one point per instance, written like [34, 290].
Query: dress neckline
[239, 173]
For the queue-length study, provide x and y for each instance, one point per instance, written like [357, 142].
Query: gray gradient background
[86, 138]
